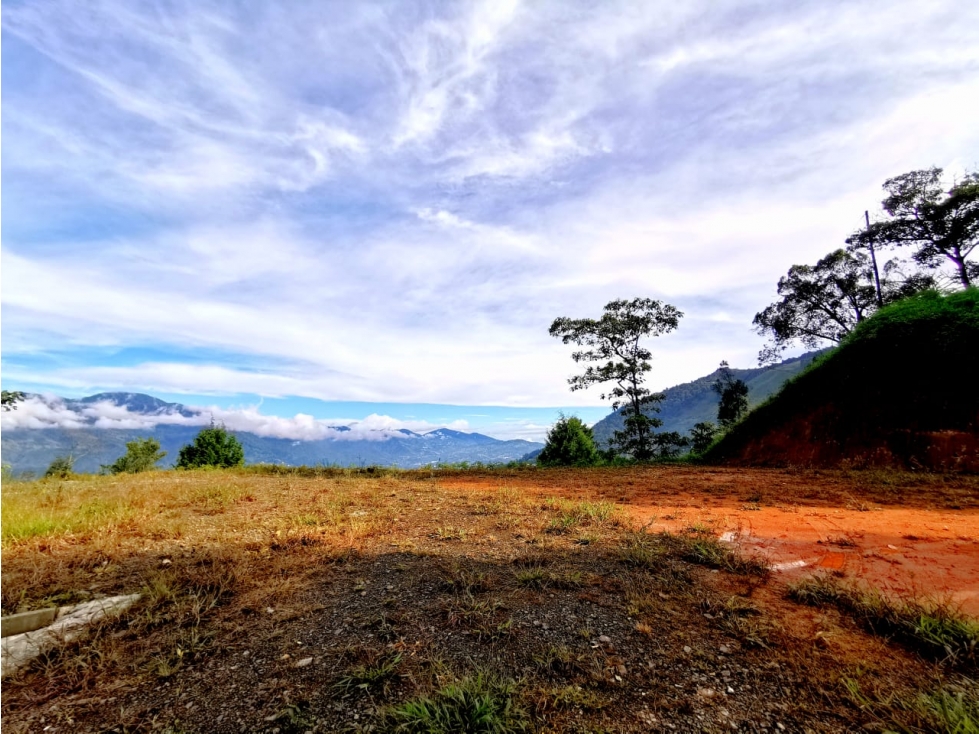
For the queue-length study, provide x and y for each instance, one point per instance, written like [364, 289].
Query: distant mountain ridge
[694, 402]
[33, 449]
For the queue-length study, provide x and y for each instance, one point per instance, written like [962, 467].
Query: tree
[141, 455]
[10, 398]
[733, 394]
[825, 301]
[940, 225]
[569, 443]
[61, 467]
[613, 341]
[213, 446]
[702, 436]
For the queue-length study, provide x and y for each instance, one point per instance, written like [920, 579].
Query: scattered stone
[304, 662]
[605, 639]
[687, 649]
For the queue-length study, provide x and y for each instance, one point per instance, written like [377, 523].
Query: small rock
[165, 562]
[780, 725]
[724, 649]
[730, 690]
[605, 639]
[621, 670]
[269, 610]
[687, 649]
[304, 662]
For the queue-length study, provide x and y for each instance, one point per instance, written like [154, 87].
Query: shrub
[569, 443]
[213, 446]
[141, 455]
[61, 467]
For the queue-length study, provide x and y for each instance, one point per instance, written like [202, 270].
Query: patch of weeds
[475, 704]
[936, 630]
[449, 533]
[572, 515]
[952, 708]
[533, 578]
[560, 660]
[467, 582]
[371, 676]
[565, 698]
[841, 541]
[706, 550]
[485, 619]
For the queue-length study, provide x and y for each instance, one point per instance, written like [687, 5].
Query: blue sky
[344, 209]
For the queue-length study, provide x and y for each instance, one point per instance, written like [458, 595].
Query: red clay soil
[905, 535]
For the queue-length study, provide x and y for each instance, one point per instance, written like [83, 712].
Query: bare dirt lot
[896, 532]
[600, 600]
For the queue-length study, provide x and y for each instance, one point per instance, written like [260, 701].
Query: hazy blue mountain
[693, 402]
[32, 450]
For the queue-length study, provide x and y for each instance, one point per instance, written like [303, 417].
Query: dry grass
[321, 600]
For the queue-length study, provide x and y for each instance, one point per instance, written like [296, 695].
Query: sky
[343, 210]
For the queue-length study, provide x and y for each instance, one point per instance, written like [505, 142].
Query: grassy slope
[900, 390]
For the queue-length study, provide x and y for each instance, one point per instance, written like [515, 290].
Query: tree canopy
[141, 455]
[612, 343]
[569, 443]
[213, 446]
[939, 225]
[733, 397]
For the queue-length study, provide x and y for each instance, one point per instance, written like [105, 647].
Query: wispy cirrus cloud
[392, 201]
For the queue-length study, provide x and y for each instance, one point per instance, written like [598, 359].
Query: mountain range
[95, 429]
[694, 402]
[83, 434]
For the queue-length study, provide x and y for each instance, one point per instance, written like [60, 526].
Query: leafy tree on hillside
[569, 443]
[825, 301]
[141, 455]
[213, 446]
[10, 398]
[613, 341]
[702, 435]
[733, 394]
[940, 225]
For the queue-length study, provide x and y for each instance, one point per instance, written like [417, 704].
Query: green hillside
[900, 390]
[693, 402]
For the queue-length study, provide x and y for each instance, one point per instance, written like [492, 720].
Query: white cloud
[40, 412]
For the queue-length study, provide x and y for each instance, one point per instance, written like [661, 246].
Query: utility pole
[873, 259]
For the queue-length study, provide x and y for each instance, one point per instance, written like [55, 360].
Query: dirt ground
[899, 537]
[327, 602]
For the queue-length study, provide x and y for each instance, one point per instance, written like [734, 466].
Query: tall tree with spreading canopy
[613, 344]
[940, 225]
[824, 302]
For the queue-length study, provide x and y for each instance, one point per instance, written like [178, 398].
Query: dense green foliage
[702, 436]
[61, 467]
[908, 370]
[141, 455]
[569, 443]
[213, 446]
[613, 343]
[733, 397]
